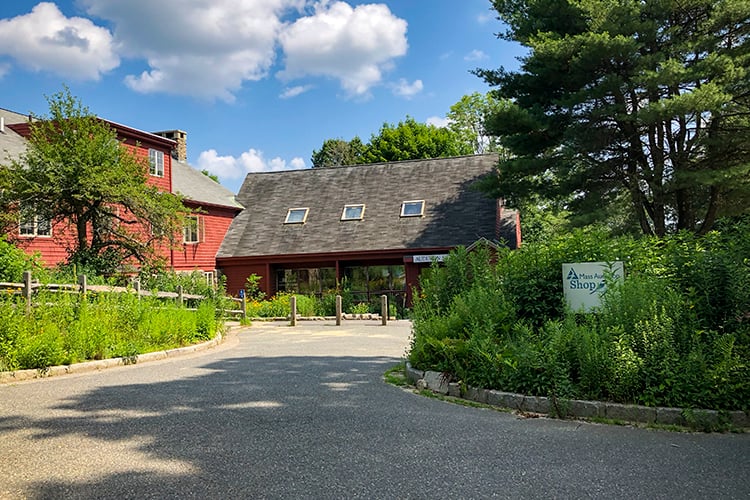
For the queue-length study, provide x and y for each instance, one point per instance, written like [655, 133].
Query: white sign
[584, 283]
[427, 259]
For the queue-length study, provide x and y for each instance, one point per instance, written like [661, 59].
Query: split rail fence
[29, 287]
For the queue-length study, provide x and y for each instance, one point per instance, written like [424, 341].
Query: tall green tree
[467, 119]
[411, 140]
[337, 152]
[642, 100]
[75, 171]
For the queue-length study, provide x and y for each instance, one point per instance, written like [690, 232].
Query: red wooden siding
[213, 225]
[141, 151]
[215, 220]
[53, 249]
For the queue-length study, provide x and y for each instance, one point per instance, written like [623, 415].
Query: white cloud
[203, 48]
[475, 55]
[408, 90]
[252, 160]
[295, 91]
[210, 48]
[486, 17]
[437, 121]
[353, 45]
[46, 40]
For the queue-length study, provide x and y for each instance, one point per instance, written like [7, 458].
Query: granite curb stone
[436, 382]
[103, 364]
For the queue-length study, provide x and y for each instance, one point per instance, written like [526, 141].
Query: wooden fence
[29, 288]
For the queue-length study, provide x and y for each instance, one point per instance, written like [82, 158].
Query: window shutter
[201, 229]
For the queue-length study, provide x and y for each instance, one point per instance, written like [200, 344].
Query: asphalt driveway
[281, 412]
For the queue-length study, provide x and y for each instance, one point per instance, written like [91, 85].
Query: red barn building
[376, 226]
[213, 206]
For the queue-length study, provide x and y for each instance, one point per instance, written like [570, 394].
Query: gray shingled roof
[455, 212]
[200, 188]
[12, 145]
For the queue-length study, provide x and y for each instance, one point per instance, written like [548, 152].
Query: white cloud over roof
[475, 55]
[294, 91]
[407, 90]
[354, 45]
[46, 40]
[210, 48]
[252, 160]
[438, 121]
[203, 48]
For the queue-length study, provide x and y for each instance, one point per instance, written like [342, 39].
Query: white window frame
[404, 205]
[156, 162]
[360, 206]
[35, 225]
[289, 215]
[193, 231]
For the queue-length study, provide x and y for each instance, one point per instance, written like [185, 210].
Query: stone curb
[346, 317]
[103, 364]
[437, 382]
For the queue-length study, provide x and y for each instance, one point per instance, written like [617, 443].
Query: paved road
[277, 412]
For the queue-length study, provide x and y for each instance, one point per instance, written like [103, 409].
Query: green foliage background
[676, 333]
[634, 108]
[67, 328]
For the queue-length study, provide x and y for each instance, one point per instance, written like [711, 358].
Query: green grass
[63, 329]
[396, 376]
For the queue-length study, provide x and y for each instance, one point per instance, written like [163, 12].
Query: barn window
[353, 212]
[412, 208]
[296, 216]
[192, 231]
[32, 223]
[156, 162]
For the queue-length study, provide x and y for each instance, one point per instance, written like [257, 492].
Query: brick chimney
[508, 225]
[179, 152]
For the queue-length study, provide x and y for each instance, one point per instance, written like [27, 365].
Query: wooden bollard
[339, 311]
[27, 290]
[384, 309]
[293, 308]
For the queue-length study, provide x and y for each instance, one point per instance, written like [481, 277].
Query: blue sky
[256, 84]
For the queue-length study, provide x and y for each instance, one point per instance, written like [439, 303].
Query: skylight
[412, 208]
[296, 216]
[353, 212]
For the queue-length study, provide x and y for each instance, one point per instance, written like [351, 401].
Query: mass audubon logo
[584, 283]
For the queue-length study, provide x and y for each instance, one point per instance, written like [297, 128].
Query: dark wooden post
[27, 290]
[338, 310]
[384, 309]
[83, 283]
[293, 308]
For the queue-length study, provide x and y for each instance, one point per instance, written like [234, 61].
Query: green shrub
[193, 282]
[14, 261]
[675, 333]
[360, 308]
[326, 305]
[68, 328]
